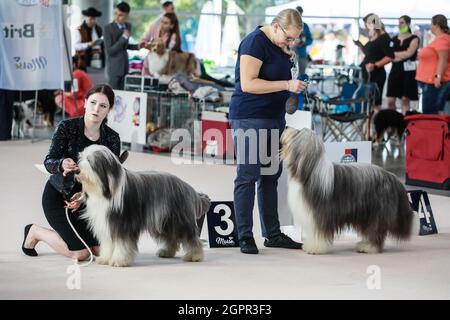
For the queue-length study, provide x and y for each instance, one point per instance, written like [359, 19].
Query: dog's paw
[102, 260]
[193, 257]
[366, 247]
[119, 263]
[316, 248]
[165, 253]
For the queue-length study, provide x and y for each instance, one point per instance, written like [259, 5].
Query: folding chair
[346, 116]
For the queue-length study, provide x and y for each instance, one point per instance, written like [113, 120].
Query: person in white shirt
[86, 41]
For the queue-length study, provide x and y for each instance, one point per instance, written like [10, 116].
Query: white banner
[31, 45]
[129, 116]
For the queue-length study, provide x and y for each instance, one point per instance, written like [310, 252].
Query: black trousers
[6, 113]
[378, 76]
[53, 205]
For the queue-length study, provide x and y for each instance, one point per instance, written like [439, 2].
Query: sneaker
[282, 241]
[248, 246]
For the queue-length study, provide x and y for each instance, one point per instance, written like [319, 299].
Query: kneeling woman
[61, 190]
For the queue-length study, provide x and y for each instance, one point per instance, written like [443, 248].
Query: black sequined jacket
[68, 142]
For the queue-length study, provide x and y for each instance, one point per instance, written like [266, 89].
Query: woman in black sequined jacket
[61, 190]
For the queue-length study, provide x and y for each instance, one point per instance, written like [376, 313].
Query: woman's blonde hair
[289, 18]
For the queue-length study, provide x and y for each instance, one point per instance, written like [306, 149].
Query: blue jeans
[250, 172]
[434, 99]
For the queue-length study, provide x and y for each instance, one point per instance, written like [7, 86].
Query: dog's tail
[406, 224]
[204, 204]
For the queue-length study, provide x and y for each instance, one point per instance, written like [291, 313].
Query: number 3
[226, 218]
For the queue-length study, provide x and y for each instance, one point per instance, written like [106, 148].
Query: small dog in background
[121, 205]
[162, 61]
[391, 122]
[22, 115]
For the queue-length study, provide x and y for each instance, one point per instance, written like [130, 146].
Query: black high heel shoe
[28, 252]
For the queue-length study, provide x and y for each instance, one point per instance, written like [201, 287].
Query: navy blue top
[276, 65]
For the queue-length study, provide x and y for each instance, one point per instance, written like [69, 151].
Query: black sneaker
[248, 246]
[282, 241]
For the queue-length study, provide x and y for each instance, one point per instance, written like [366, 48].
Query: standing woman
[433, 70]
[61, 190]
[402, 82]
[377, 53]
[257, 107]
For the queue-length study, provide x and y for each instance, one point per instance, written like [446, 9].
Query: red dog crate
[216, 135]
[428, 151]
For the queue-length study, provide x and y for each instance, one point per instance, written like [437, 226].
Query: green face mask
[404, 29]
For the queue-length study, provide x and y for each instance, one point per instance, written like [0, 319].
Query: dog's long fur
[162, 61]
[121, 204]
[327, 198]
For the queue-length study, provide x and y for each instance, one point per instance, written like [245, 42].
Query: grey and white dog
[121, 204]
[327, 198]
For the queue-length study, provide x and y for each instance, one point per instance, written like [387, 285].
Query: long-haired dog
[327, 198]
[162, 61]
[121, 204]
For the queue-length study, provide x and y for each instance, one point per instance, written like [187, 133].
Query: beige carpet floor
[418, 269]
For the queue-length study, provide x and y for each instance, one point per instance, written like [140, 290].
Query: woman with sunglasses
[257, 108]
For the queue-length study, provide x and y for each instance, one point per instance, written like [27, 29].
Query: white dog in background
[22, 116]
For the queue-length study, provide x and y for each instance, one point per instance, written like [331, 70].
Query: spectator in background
[116, 37]
[74, 101]
[168, 34]
[378, 52]
[433, 70]
[402, 83]
[86, 40]
[153, 31]
[305, 39]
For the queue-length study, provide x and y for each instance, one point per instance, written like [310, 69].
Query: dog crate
[166, 112]
[170, 110]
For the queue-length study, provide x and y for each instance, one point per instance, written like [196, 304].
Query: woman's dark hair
[167, 3]
[407, 19]
[175, 29]
[441, 21]
[106, 90]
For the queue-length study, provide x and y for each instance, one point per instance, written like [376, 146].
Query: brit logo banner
[31, 45]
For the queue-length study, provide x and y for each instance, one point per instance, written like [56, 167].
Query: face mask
[404, 29]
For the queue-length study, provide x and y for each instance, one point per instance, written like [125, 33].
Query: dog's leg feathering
[169, 250]
[194, 251]
[106, 251]
[365, 246]
[123, 253]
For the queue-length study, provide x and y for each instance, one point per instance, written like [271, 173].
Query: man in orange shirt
[433, 70]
